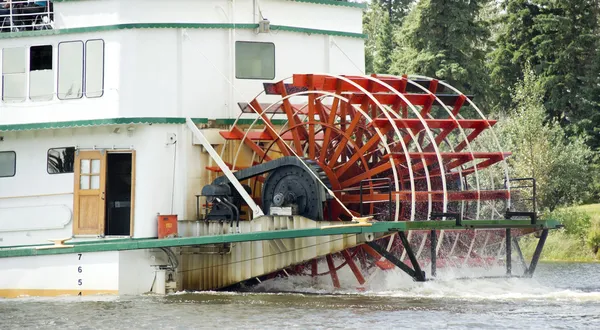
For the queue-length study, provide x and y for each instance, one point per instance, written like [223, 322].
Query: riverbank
[574, 243]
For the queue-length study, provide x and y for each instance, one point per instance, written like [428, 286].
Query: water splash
[451, 283]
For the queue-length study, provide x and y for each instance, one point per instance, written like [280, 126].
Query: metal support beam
[537, 254]
[256, 210]
[396, 261]
[508, 252]
[420, 275]
[433, 253]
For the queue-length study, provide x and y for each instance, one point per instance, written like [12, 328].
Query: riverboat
[159, 146]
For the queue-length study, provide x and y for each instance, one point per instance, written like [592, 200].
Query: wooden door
[89, 193]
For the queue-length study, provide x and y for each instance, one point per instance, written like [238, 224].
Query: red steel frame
[366, 132]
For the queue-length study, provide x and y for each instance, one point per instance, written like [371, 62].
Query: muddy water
[560, 296]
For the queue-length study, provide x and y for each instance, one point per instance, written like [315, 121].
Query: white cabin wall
[346, 56]
[311, 15]
[69, 14]
[205, 71]
[33, 200]
[72, 14]
[148, 86]
[153, 82]
[169, 72]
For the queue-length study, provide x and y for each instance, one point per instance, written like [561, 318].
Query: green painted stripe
[99, 122]
[248, 121]
[342, 3]
[115, 27]
[377, 227]
[130, 120]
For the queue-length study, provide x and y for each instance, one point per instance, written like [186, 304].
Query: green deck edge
[377, 227]
[129, 121]
[362, 5]
[129, 26]
[98, 122]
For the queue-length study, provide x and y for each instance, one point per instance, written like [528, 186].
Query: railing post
[10, 16]
[361, 198]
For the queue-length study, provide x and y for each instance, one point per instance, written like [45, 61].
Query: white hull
[94, 273]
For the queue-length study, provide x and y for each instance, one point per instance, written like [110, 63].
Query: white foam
[451, 283]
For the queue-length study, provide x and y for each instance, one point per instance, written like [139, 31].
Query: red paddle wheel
[393, 148]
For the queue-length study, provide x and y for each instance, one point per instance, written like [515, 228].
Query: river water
[559, 296]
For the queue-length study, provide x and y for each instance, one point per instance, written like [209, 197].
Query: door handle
[102, 195]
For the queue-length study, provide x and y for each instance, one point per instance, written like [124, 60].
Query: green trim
[377, 227]
[248, 121]
[362, 5]
[115, 27]
[317, 31]
[98, 122]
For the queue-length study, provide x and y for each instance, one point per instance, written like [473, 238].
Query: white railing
[26, 15]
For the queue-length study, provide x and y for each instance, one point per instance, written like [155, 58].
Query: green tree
[380, 22]
[396, 9]
[445, 40]
[560, 164]
[559, 38]
[372, 27]
[384, 46]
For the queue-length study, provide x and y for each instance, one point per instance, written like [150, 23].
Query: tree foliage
[560, 164]
[559, 38]
[385, 46]
[535, 62]
[396, 9]
[380, 22]
[445, 40]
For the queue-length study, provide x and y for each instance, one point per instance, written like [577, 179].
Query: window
[14, 88]
[61, 160]
[70, 70]
[41, 76]
[254, 60]
[8, 163]
[94, 68]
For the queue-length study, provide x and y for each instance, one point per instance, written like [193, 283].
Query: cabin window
[94, 68]
[61, 160]
[14, 87]
[8, 163]
[41, 76]
[70, 70]
[254, 60]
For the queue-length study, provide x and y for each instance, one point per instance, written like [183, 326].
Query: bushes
[593, 238]
[577, 223]
[578, 241]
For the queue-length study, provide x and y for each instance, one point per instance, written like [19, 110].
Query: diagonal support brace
[419, 273]
[256, 210]
[417, 276]
[536, 255]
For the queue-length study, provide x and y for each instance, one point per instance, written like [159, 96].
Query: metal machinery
[393, 148]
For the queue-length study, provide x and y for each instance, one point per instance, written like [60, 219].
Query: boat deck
[383, 227]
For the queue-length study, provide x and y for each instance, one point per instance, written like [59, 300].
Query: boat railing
[26, 15]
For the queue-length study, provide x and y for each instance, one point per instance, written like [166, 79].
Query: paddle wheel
[392, 148]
